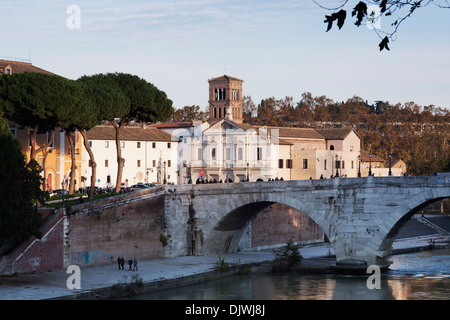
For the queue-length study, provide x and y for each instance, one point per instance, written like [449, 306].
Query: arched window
[331, 147]
[216, 95]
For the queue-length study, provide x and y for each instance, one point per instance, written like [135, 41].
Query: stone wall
[277, 224]
[130, 229]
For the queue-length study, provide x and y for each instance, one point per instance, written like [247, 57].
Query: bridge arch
[401, 215]
[225, 233]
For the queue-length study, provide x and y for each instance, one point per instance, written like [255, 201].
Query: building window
[168, 145]
[108, 179]
[106, 144]
[305, 163]
[280, 163]
[343, 164]
[259, 153]
[352, 164]
[106, 163]
[153, 145]
[154, 163]
[139, 163]
[240, 154]
[138, 144]
[213, 153]
[331, 147]
[325, 164]
[228, 154]
[289, 163]
[169, 163]
[199, 154]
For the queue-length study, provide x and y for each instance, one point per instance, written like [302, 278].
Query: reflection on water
[422, 275]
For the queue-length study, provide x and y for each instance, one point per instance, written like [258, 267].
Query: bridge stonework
[360, 216]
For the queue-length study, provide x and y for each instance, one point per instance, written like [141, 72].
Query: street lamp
[359, 166]
[165, 180]
[247, 172]
[390, 158]
[370, 164]
[337, 166]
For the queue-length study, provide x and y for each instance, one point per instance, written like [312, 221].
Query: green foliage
[164, 239]
[145, 102]
[221, 265]
[19, 190]
[288, 254]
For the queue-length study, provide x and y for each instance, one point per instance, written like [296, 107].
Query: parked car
[140, 186]
[58, 192]
[152, 185]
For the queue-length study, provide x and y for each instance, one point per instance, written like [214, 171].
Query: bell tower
[225, 99]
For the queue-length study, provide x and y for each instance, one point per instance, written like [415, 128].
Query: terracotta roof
[225, 78]
[179, 124]
[365, 157]
[335, 133]
[295, 133]
[129, 134]
[20, 67]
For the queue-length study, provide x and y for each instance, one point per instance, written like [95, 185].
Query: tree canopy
[19, 190]
[31, 100]
[146, 103]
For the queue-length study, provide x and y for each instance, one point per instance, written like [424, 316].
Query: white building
[150, 156]
[228, 151]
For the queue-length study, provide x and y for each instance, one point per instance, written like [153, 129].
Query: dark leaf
[384, 44]
[360, 10]
[341, 18]
[383, 6]
[329, 20]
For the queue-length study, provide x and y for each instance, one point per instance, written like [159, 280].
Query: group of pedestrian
[132, 264]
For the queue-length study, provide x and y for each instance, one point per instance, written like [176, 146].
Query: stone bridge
[359, 216]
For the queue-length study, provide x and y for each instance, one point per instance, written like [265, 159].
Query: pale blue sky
[279, 48]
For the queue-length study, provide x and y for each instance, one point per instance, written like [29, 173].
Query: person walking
[135, 262]
[119, 262]
[122, 262]
[130, 262]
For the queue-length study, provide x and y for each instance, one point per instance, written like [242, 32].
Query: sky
[279, 48]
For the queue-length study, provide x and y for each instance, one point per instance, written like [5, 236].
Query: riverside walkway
[161, 273]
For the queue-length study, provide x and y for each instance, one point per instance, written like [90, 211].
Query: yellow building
[54, 159]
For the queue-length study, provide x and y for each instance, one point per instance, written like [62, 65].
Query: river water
[421, 275]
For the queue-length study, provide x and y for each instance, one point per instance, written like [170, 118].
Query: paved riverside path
[52, 284]
[48, 285]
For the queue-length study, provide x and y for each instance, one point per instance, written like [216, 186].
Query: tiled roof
[297, 133]
[129, 134]
[335, 133]
[365, 157]
[20, 67]
[179, 124]
[225, 78]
